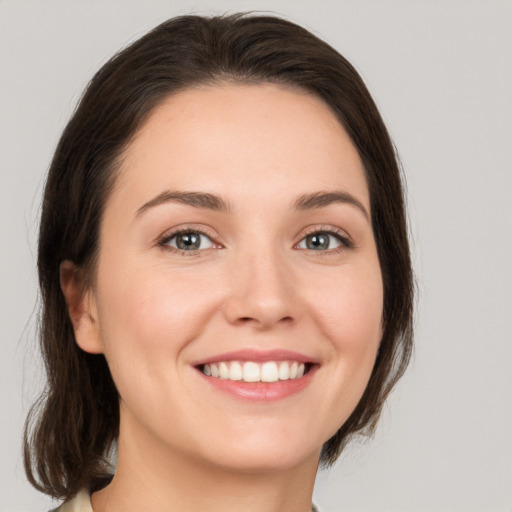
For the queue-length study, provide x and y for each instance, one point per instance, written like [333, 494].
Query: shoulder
[80, 503]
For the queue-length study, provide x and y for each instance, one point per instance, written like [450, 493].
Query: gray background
[441, 73]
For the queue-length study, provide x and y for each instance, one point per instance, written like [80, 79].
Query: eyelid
[163, 240]
[341, 234]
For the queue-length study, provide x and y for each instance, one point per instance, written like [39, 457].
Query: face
[238, 293]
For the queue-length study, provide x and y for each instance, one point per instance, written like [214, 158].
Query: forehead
[242, 140]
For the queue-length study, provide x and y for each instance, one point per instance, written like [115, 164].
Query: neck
[158, 479]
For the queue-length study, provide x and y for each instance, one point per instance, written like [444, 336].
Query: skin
[154, 310]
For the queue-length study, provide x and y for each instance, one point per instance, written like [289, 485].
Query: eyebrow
[212, 202]
[196, 199]
[322, 199]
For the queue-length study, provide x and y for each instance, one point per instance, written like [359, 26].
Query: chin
[259, 463]
[265, 457]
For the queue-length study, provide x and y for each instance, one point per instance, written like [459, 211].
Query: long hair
[75, 423]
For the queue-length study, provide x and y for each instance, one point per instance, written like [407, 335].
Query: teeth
[251, 372]
[284, 371]
[293, 370]
[223, 371]
[235, 371]
[270, 371]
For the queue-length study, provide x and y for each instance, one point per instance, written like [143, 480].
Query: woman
[225, 273]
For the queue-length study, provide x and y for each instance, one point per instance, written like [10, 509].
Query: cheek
[360, 327]
[349, 308]
[151, 313]
[147, 322]
[349, 315]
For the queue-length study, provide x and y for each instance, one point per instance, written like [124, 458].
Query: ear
[81, 308]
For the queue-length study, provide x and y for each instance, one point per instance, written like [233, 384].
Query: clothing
[82, 503]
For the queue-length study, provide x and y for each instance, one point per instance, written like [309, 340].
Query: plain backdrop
[441, 73]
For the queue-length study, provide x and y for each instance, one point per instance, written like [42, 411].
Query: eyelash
[345, 241]
[164, 241]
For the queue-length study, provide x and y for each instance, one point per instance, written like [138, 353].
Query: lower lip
[261, 391]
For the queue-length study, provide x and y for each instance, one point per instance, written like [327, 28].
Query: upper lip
[257, 356]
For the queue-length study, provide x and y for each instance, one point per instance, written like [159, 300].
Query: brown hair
[75, 423]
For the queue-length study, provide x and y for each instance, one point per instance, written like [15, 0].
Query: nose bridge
[261, 288]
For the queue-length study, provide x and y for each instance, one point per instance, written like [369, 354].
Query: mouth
[252, 371]
[258, 376]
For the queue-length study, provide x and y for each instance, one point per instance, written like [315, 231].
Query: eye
[188, 241]
[322, 241]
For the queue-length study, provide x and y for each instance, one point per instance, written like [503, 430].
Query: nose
[261, 292]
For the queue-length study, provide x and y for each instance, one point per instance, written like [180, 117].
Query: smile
[250, 371]
[258, 376]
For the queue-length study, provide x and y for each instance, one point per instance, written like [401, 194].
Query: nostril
[248, 319]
